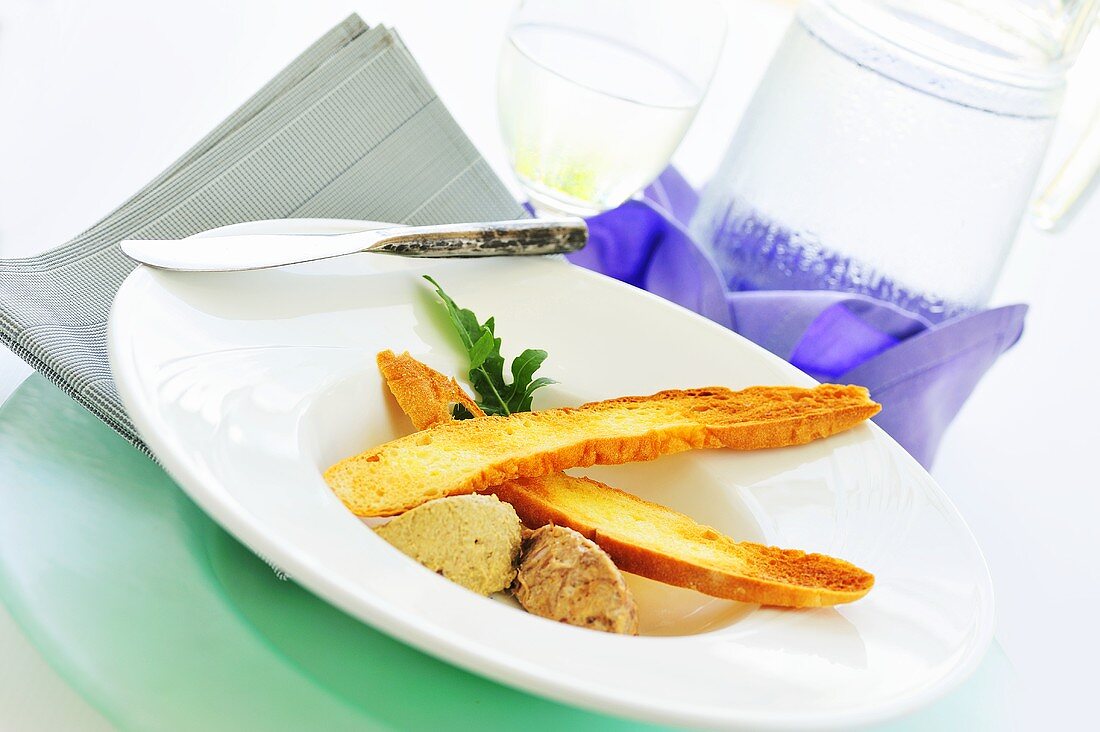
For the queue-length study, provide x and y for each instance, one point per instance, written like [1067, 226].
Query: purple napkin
[920, 372]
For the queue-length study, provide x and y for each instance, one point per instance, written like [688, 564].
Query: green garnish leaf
[524, 367]
[487, 365]
[481, 349]
[460, 411]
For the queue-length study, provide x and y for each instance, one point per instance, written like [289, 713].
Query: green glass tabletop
[163, 621]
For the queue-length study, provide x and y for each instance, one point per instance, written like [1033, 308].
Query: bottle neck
[995, 62]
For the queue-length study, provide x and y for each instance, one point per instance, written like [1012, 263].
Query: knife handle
[522, 237]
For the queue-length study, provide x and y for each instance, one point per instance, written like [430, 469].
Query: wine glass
[595, 95]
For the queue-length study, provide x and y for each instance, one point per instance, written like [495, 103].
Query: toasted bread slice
[656, 542]
[423, 393]
[470, 455]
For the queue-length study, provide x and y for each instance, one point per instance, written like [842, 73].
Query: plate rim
[472, 656]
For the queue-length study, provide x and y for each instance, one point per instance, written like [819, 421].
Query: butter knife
[231, 253]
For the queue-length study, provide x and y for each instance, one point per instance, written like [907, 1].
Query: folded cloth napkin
[922, 373]
[350, 129]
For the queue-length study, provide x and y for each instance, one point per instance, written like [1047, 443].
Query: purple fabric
[921, 373]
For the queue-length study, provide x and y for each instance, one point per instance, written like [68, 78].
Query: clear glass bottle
[891, 149]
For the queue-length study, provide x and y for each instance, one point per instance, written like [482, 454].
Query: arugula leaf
[487, 365]
[460, 411]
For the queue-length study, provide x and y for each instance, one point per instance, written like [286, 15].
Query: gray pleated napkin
[350, 129]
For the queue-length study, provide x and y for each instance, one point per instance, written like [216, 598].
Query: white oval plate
[247, 385]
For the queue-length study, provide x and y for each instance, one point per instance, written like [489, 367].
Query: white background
[97, 98]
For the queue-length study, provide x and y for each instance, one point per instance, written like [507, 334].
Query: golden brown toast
[470, 455]
[657, 542]
[423, 393]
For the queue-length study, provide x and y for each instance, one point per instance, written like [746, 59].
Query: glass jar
[891, 149]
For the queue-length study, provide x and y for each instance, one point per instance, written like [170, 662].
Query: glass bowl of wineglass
[595, 95]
